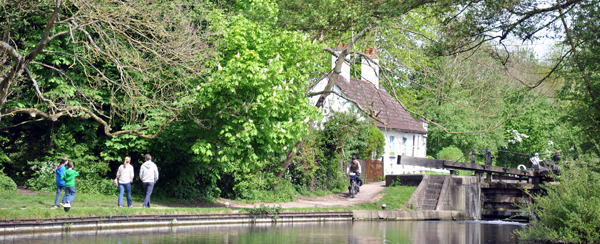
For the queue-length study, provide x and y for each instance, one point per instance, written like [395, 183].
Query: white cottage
[403, 134]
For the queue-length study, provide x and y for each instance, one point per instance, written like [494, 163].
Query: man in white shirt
[535, 161]
[149, 176]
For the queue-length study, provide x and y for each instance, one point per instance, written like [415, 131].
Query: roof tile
[379, 100]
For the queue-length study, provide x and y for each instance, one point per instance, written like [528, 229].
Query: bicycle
[354, 188]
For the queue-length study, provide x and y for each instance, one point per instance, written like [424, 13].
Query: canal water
[381, 232]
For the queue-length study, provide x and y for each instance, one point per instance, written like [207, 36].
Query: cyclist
[354, 168]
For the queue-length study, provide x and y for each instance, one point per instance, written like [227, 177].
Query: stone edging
[408, 215]
[26, 225]
[66, 224]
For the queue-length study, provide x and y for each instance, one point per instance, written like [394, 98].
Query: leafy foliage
[262, 210]
[91, 181]
[126, 65]
[582, 76]
[263, 76]
[321, 164]
[375, 144]
[450, 153]
[7, 185]
[568, 212]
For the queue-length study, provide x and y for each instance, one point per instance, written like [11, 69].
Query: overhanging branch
[71, 112]
[370, 113]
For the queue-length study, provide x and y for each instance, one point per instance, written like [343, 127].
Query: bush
[569, 212]
[375, 142]
[282, 192]
[7, 185]
[450, 153]
[44, 179]
[263, 210]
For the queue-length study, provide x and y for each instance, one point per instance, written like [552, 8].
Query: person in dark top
[556, 156]
[353, 168]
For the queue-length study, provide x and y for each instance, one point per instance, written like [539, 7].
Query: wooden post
[488, 162]
[488, 157]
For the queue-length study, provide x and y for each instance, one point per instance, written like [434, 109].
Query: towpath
[368, 193]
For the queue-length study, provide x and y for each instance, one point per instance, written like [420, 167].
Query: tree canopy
[126, 65]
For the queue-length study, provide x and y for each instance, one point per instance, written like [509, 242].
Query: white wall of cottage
[403, 143]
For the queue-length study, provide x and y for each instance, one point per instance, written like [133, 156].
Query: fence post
[488, 157]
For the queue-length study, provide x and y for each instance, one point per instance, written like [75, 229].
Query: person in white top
[125, 177]
[149, 176]
[535, 161]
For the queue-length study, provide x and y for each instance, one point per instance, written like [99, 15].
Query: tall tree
[253, 108]
[124, 64]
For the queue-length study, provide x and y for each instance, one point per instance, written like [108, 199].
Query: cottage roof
[365, 94]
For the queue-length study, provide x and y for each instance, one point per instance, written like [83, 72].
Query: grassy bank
[393, 197]
[39, 206]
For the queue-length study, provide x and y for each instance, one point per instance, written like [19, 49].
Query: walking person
[69, 178]
[125, 177]
[149, 176]
[60, 184]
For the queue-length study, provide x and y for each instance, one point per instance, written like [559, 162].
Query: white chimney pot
[369, 71]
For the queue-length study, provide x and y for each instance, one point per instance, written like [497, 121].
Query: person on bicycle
[354, 168]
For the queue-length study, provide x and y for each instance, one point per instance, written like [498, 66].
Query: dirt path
[24, 191]
[368, 193]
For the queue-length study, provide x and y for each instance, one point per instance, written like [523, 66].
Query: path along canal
[357, 232]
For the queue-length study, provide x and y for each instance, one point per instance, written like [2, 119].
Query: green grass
[39, 206]
[44, 200]
[394, 197]
[79, 212]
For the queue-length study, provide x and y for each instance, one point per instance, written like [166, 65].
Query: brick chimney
[346, 67]
[369, 71]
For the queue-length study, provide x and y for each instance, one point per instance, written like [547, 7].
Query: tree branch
[37, 88]
[370, 113]
[45, 37]
[577, 61]
[69, 111]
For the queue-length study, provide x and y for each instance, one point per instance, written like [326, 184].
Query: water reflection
[362, 232]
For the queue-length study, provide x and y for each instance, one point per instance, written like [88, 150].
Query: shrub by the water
[569, 212]
[282, 191]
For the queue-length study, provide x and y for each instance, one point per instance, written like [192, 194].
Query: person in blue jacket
[60, 184]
